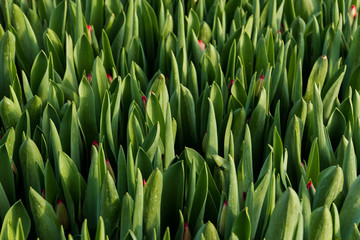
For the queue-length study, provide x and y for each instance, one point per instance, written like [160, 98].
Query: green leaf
[46, 222]
[233, 206]
[109, 203]
[58, 19]
[138, 207]
[284, 218]
[31, 162]
[83, 55]
[172, 195]
[152, 204]
[86, 111]
[329, 186]
[25, 36]
[242, 225]
[313, 166]
[7, 53]
[317, 77]
[321, 223]
[199, 200]
[350, 211]
[100, 231]
[127, 207]
[10, 112]
[349, 167]
[16, 212]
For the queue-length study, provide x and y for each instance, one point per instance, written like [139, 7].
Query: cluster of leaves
[160, 119]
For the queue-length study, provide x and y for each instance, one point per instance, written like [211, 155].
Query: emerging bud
[259, 84]
[311, 190]
[89, 77]
[43, 193]
[144, 100]
[303, 165]
[109, 78]
[353, 12]
[202, 45]
[244, 196]
[62, 214]
[144, 182]
[96, 144]
[89, 30]
[13, 169]
[222, 220]
[109, 168]
[186, 233]
[231, 83]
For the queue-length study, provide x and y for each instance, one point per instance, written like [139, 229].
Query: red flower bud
[231, 83]
[144, 182]
[309, 185]
[95, 143]
[109, 78]
[144, 100]
[43, 193]
[89, 29]
[62, 214]
[186, 233]
[89, 77]
[353, 11]
[202, 45]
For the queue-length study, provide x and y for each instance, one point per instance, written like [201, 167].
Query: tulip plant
[185, 119]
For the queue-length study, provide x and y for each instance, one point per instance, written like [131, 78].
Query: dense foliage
[183, 119]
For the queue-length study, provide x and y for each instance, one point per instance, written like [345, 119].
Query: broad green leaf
[16, 212]
[172, 195]
[284, 218]
[321, 223]
[45, 220]
[109, 203]
[152, 204]
[350, 211]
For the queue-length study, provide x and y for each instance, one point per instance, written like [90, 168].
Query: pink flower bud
[144, 100]
[231, 83]
[309, 185]
[95, 143]
[353, 11]
[144, 182]
[186, 233]
[202, 45]
[89, 77]
[62, 214]
[311, 190]
[89, 29]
